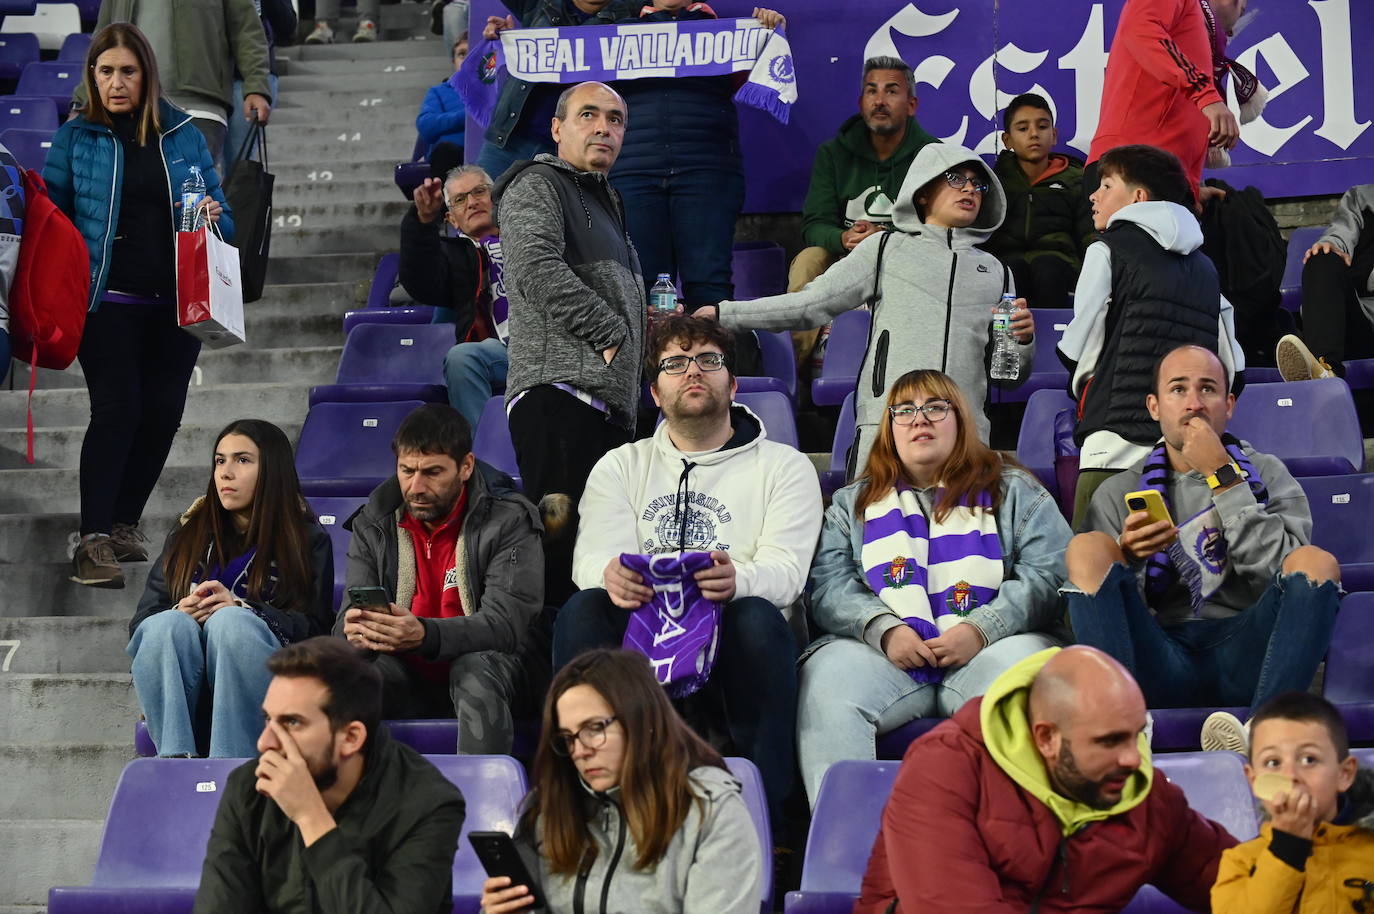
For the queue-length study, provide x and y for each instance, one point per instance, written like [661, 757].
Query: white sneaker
[367, 31]
[1222, 731]
[323, 34]
[1297, 363]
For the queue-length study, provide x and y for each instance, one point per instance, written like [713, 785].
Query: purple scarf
[234, 576]
[1247, 85]
[678, 629]
[478, 81]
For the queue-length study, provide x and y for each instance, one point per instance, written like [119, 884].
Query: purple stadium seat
[331, 513]
[18, 7]
[1359, 374]
[1290, 287]
[18, 50]
[833, 478]
[383, 281]
[1046, 369]
[775, 412]
[844, 355]
[75, 46]
[27, 113]
[491, 441]
[758, 268]
[778, 360]
[30, 147]
[1340, 506]
[893, 743]
[143, 742]
[1035, 442]
[1310, 425]
[55, 80]
[844, 824]
[154, 843]
[89, 10]
[414, 314]
[1349, 675]
[345, 448]
[1180, 729]
[390, 362]
[751, 789]
[492, 786]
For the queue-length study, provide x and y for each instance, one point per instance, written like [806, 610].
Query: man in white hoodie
[709, 480]
[1145, 288]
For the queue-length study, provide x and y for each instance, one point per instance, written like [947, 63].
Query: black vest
[1160, 300]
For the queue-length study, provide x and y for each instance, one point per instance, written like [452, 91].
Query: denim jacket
[1033, 533]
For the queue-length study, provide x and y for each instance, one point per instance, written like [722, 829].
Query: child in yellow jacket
[1316, 852]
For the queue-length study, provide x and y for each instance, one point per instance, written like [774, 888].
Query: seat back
[349, 444]
[331, 512]
[27, 112]
[1340, 506]
[1035, 442]
[29, 147]
[758, 269]
[1046, 370]
[844, 355]
[491, 441]
[384, 280]
[1290, 287]
[778, 360]
[1349, 672]
[415, 314]
[833, 478]
[845, 824]
[55, 80]
[493, 787]
[17, 50]
[51, 22]
[74, 47]
[395, 354]
[1310, 425]
[775, 412]
[18, 7]
[751, 789]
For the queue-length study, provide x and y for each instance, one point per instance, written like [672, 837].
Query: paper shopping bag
[209, 289]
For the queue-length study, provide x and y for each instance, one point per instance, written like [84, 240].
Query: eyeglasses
[477, 193]
[957, 180]
[706, 361]
[592, 735]
[906, 413]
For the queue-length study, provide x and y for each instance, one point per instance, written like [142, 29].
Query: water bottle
[1005, 362]
[662, 299]
[192, 192]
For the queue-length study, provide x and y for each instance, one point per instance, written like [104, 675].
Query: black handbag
[249, 192]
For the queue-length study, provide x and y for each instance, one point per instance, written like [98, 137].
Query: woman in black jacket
[247, 571]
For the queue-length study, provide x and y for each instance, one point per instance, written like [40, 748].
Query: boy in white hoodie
[1145, 288]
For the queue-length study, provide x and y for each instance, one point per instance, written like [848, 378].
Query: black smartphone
[369, 598]
[498, 856]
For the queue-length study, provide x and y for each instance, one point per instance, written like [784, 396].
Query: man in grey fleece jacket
[577, 312]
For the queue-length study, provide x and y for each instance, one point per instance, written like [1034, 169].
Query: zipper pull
[1064, 866]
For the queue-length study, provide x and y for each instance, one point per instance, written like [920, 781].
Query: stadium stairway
[67, 706]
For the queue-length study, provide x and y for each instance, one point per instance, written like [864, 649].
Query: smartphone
[498, 857]
[1151, 502]
[369, 598]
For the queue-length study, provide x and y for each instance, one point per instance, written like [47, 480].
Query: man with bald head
[1224, 602]
[1039, 796]
[577, 312]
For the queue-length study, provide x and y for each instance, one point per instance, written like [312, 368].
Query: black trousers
[1045, 281]
[1334, 326]
[137, 363]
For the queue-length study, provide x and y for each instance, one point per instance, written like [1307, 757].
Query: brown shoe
[94, 563]
[127, 541]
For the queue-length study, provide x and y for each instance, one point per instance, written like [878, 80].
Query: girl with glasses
[937, 570]
[631, 812]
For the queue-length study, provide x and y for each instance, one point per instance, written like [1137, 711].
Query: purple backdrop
[1314, 137]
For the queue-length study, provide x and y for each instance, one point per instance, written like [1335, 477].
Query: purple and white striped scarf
[931, 574]
[678, 629]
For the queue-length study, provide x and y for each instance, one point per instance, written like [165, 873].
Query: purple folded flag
[678, 629]
[478, 80]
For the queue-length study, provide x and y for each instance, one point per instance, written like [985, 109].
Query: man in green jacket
[332, 816]
[855, 176]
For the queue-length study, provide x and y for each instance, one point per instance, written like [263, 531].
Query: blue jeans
[1272, 647]
[851, 693]
[238, 127]
[175, 658]
[684, 225]
[496, 159]
[755, 678]
[474, 372]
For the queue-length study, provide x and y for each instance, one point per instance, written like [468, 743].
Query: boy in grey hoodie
[935, 291]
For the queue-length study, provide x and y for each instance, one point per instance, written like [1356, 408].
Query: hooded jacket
[575, 286]
[754, 498]
[713, 864]
[1337, 871]
[936, 296]
[1047, 217]
[446, 271]
[849, 182]
[1352, 231]
[973, 825]
[1145, 288]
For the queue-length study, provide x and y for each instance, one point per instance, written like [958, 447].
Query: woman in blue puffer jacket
[116, 169]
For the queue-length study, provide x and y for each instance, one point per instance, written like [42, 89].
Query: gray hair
[459, 171]
[561, 111]
[892, 63]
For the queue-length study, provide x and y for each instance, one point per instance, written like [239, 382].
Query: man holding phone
[446, 584]
[1220, 599]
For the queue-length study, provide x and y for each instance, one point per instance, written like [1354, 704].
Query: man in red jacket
[1040, 796]
[1159, 86]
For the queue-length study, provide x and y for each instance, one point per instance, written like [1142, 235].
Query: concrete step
[340, 239]
[45, 589]
[40, 491]
[369, 111]
[48, 537]
[56, 644]
[304, 365]
[305, 193]
[311, 172]
[63, 780]
[354, 266]
[50, 707]
[332, 144]
[61, 446]
[336, 210]
[423, 46]
[36, 855]
[348, 85]
[302, 329]
[279, 403]
[314, 297]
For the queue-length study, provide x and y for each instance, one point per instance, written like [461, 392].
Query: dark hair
[355, 686]
[124, 35]
[1309, 708]
[687, 332]
[1159, 365]
[660, 751]
[892, 63]
[1024, 100]
[435, 428]
[279, 528]
[1157, 171]
[460, 38]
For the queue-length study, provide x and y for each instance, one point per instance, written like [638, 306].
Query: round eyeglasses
[477, 193]
[957, 180]
[706, 361]
[906, 413]
[592, 735]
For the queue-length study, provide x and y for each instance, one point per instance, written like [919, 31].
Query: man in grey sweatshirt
[577, 313]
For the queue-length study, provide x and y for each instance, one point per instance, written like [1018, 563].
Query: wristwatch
[1225, 476]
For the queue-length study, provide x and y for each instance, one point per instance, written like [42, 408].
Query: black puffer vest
[1160, 300]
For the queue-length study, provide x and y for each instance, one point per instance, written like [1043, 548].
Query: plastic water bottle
[662, 298]
[1005, 362]
[192, 192]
